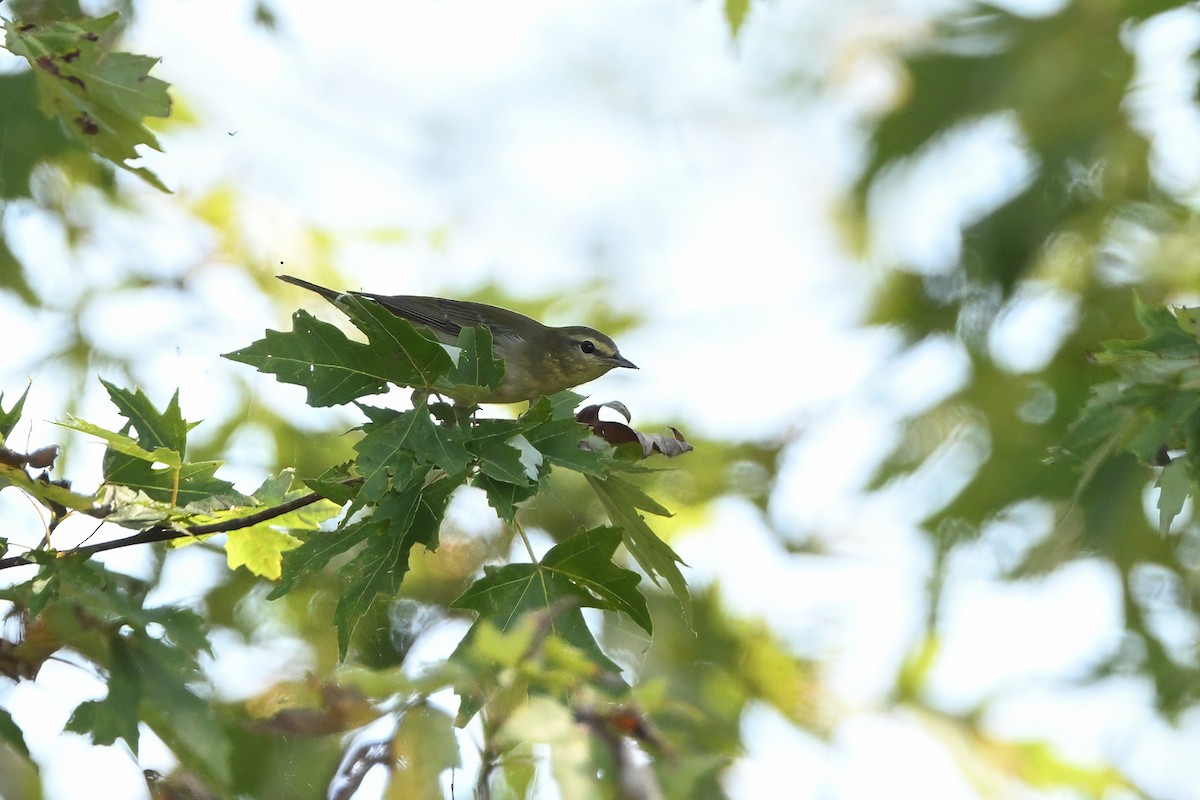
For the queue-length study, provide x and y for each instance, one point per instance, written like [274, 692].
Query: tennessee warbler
[538, 359]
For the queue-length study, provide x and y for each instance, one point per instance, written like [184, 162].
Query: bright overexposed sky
[544, 146]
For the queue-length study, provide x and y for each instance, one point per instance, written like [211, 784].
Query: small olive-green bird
[538, 359]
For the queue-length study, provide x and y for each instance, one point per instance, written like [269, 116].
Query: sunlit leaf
[126, 445]
[260, 549]
[735, 14]
[623, 501]
[102, 97]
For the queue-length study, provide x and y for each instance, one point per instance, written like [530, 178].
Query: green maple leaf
[115, 716]
[579, 569]
[503, 496]
[623, 501]
[585, 560]
[337, 370]
[260, 548]
[576, 573]
[411, 359]
[317, 551]
[30, 139]
[504, 595]
[153, 462]
[319, 357]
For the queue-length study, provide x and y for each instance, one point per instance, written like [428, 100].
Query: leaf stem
[524, 538]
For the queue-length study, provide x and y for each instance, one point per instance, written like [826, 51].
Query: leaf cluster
[1068, 84]
[149, 656]
[391, 497]
[410, 462]
[1151, 410]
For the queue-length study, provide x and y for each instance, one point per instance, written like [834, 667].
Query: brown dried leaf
[42, 458]
[618, 433]
[179, 785]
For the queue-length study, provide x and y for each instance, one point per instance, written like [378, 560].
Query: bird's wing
[448, 317]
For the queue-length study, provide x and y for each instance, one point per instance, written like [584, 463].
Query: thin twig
[162, 533]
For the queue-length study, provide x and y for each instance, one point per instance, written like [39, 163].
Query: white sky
[558, 143]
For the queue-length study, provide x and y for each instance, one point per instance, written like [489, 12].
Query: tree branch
[162, 533]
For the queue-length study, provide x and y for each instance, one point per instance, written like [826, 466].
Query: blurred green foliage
[1067, 78]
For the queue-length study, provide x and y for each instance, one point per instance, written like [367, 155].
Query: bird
[539, 359]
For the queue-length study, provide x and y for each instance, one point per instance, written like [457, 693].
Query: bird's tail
[328, 294]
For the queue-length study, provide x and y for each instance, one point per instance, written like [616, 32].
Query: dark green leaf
[29, 140]
[335, 484]
[1163, 328]
[505, 594]
[182, 628]
[440, 445]
[386, 458]
[585, 559]
[559, 440]
[563, 404]
[382, 564]
[410, 358]
[116, 716]
[197, 482]
[319, 357]
[165, 434]
[504, 496]
[316, 552]
[401, 520]
[181, 718]
[511, 461]
[11, 733]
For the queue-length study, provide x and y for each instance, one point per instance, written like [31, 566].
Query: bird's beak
[618, 360]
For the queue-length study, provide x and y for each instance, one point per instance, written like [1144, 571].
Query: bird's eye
[587, 346]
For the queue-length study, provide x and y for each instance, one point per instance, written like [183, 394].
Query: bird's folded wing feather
[447, 317]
